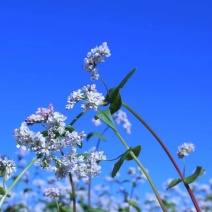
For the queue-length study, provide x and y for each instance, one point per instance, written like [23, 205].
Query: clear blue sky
[43, 45]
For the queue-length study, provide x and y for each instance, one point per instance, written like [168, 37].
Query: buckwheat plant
[57, 144]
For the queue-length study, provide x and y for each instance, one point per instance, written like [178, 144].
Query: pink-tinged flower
[184, 149]
[41, 115]
[94, 57]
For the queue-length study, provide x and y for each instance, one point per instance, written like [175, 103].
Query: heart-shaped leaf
[106, 117]
[136, 150]
[119, 163]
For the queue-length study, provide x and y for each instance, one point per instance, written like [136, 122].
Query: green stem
[77, 117]
[144, 171]
[58, 208]
[99, 140]
[167, 152]
[89, 192]
[184, 167]
[104, 84]
[17, 179]
[73, 195]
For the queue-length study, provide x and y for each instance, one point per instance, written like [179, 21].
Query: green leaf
[198, 172]
[62, 209]
[45, 133]
[3, 191]
[134, 205]
[119, 163]
[112, 94]
[115, 104]
[27, 190]
[174, 183]
[123, 82]
[69, 128]
[84, 155]
[94, 134]
[18, 207]
[79, 145]
[169, 205]
[136, 150]
[106, 117]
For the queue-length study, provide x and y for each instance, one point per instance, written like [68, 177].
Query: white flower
[94, 57]
[41, 115]
[51, 192]
[96, 122]
[7, 166]
[121, 117]
[88, 95]
[184, 149]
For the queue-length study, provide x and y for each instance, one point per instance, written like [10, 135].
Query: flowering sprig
[94, 57]
[7, 167]
[41, 115]
[88, 95]
[56, 146]
[121, 117]
[55, 138]
[52, 192]
[184, 149]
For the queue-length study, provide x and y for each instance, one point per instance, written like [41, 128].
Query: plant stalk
[144, 171]
[73, 195]
[167, 152]
[17, 179]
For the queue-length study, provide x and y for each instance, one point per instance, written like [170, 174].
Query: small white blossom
[184, 149]
[7, 166]
[88, 95]
[131, 170]
[51, 192]
[96, 122]
[121, 117]
[94, 57]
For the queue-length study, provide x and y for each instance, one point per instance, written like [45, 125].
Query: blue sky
[43, 45]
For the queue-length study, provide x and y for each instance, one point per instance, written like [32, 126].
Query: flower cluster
[82, 165]
[87, 94]
[184, 149]
[7, 166]
[51, 192]
[121, 117]
[55, 138]
[94, 57]
[41, 115]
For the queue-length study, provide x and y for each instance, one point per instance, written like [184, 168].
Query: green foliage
[18, 207]
[94, 134]
[134, 205]
[125, 156]
[136, 150]
[174, 183]
[106, 117]
[113, 97]
[119, 163]
[87, 208]
[2, 192]
[198, 172]
[169, 206]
